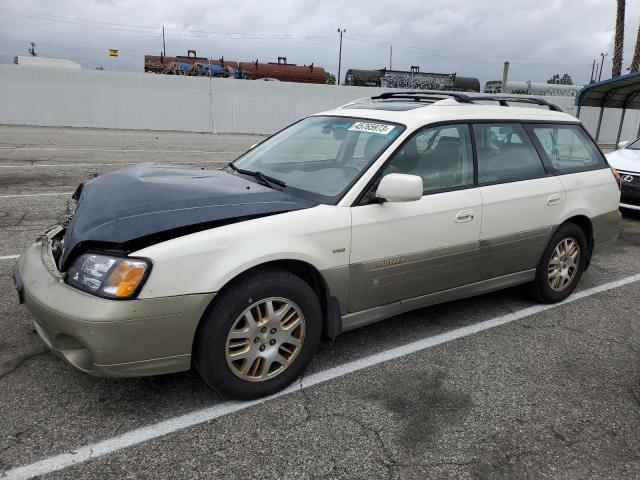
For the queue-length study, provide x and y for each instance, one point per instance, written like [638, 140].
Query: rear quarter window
[567, 148]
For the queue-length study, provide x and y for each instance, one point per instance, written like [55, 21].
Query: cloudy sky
[470, 37]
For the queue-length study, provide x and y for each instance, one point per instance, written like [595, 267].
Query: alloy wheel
[564, 264]
[265, 339]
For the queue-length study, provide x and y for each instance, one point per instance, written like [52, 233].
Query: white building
[45, 62]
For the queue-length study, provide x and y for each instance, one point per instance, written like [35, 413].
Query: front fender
[204, 262]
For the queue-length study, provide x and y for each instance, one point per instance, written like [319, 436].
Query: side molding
[365, 317]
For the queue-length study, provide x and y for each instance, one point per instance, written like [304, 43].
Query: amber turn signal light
[125, 278]
[616, 175]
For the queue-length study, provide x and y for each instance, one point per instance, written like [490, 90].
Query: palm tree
[619, 40]
[635, 63]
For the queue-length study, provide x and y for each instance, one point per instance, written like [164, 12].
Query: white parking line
[35, 194]
[165, 427]
[60, 165]
[9, 257]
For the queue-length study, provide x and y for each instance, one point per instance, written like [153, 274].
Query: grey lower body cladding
[431, 271]
[365, 317]
[378, 289]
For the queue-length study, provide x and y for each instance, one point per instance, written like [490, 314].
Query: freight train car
[466, 84]
[412, 80]
[200, 66]
[283, 71]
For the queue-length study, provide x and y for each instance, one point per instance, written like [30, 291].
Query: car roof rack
[504, 101]
[430, 96]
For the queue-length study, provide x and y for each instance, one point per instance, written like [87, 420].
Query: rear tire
[260, 334]
[561, 265]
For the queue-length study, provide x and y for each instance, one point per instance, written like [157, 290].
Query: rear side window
[505, 154]
[568, 148]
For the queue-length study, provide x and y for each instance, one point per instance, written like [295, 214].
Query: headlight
[109, 277]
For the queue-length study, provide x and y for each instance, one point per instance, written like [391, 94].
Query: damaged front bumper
[115, 338]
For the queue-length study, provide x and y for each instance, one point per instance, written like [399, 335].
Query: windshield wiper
[261, 177]
[267, 179]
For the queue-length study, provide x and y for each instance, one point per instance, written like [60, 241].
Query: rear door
[520, 202]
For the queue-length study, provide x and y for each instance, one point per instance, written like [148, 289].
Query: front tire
[561, 265]
[260, 335]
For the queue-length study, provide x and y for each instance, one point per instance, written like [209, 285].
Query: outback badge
[387, 262]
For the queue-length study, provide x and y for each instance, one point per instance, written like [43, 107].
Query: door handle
[554, 199]
[465, 216]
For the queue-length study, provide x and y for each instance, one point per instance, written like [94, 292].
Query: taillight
[616, 175]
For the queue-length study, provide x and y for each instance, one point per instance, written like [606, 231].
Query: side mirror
[400, 187]
[623, 144]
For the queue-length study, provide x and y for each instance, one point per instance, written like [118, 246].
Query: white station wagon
[346, 217]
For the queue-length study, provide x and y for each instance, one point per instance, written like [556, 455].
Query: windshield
[635, 145]
[320, 157]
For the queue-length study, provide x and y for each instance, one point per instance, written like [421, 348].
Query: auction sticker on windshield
[381, 128]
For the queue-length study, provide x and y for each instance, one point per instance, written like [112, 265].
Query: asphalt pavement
[551, 393]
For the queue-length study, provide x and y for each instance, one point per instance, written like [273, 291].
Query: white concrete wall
[266, 107]
[610, 123]
[103, 99]
[630, 125]
[89, 98]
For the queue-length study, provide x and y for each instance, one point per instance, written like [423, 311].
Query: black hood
[149, 203]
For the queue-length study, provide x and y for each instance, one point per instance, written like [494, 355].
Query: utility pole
[414, 69]
[340, 31]
[601, 64]
[390, 56]
[505, 76]
[32, 50]
[592, 69]
[164, 50]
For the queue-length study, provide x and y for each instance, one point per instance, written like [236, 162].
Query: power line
[127, 51]
[146, 30]
[453, 54]
[68, 47]
[46, 16]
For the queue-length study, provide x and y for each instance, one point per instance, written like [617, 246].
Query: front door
[404, 250]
